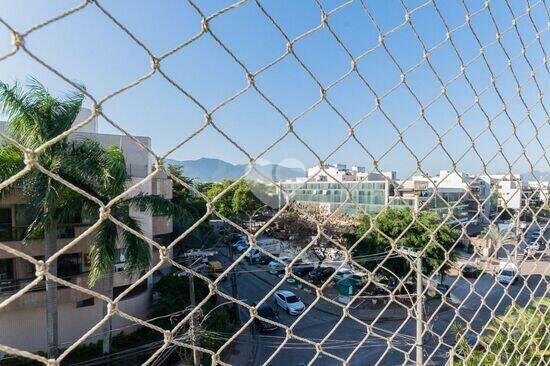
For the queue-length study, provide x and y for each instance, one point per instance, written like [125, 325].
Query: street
[474, 306]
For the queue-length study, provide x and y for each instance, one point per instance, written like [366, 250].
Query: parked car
[276, 266]
[508, 273]
[470, 271]
[267, 312]
[288, 301]
[443, 288]
[320, 274]
[240, 246]
[531, 249]
[264, 259]
[303, 269]
[342, 273]
[534, 238]
[255, 256]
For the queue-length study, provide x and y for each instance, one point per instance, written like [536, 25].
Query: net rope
[326, 346]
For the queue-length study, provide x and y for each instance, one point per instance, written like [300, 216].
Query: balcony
[162, 187]
[18, 233]
[36, 296]
[162, 225]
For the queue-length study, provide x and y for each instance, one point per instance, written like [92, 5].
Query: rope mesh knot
[17, 40]
[41, 269]
[483, 108]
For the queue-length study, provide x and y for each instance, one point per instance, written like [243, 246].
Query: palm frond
[18, 106]
[55, 115]
[11, 161]
[116, 176]
[85, 164]
[157, 206]
[137, 250]
[102, 252]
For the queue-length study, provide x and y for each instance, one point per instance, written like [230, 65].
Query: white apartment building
[23, 321]
[539, 191]
[327, 189]
[509, 189]
[469, 196]
[515, 193]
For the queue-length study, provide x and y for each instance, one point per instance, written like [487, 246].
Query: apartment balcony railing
[18, 233]
[11, 286]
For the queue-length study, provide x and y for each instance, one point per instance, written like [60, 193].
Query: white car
[276, 267]
[288, 301]
[507, 273]
[342, 273]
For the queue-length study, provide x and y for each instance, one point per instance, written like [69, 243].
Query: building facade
[77, 312]
[354, 191]
[350, 191]
[515, 194]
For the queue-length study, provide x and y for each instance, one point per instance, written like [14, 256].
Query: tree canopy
[393, 224]
[519, 337]
[237, 203]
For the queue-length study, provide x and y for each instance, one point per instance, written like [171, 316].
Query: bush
[216, 327]
[90, 351]
[173, 296]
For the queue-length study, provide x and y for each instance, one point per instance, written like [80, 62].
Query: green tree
[215, 329]
[103, 250]
[238, 203]
[35, 117]
[224, 204]
[173, 297]
[519, 337]
[392, 223]
[195, 207]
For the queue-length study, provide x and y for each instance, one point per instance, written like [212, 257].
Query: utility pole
[192, 300]
[419, 304]
[234, 292]
[419, 315]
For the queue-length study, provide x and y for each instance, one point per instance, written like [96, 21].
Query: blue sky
[89, 48]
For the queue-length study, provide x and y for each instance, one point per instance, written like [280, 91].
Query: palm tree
[34, 117]
[136, 250]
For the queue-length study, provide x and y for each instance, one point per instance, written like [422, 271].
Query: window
[139, 289]
[292, 299]
[84, 303]
[5, 223]
[5, 216]
[69, 265]
[6, 269]
[23, 215]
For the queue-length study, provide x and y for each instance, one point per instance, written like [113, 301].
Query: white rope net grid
[18, 41]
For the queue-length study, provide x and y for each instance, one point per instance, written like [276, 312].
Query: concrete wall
[25, 329]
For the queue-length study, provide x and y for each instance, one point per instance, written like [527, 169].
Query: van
[507, 273]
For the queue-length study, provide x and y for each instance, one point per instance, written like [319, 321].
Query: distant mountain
[542, 176]
[215, 170]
